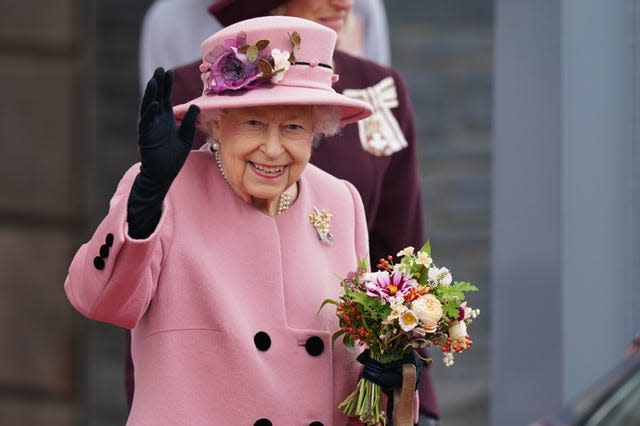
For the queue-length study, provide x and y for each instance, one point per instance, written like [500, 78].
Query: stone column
[565, 139]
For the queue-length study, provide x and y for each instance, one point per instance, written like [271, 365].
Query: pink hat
[271, 60]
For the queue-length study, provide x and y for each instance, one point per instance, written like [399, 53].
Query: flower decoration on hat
[237, 65]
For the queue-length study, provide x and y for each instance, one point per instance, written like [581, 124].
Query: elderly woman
[388, 179]
[219, 259]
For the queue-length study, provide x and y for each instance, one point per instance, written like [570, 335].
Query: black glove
[163, 150]
[389, 375]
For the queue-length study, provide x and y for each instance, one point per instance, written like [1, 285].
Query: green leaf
[424, 275]
[454, 292]
[450, 309]
[465, 286]
[426, 247]
[328, 302]
[337, 334]
[364, 263]
[348, 341]
[252, 53]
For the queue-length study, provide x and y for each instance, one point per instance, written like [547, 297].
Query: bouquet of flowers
[405, 305]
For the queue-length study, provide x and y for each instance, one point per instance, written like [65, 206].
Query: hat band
[233, 77]
[314, 64]
[307, 76]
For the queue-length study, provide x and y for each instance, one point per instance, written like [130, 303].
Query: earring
[214, 144]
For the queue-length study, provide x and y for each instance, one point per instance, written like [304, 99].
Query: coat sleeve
[361, 231]
[399, 218]
[112, 277]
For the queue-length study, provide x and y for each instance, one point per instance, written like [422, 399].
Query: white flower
[403, 268]
[446, 279]
[428, 309]
[448, 359]
[407, 251]
[440, 276]
[424, 259]
[458, 329]
[408, 320]
[281, 64]
[397, 309]
[396, 300]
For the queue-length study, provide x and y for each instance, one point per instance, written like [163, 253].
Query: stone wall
[41, 79]
[445, 52]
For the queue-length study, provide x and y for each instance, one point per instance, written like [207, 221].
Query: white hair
[326, 120]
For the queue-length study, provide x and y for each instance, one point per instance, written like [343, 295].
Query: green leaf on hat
[252, 53]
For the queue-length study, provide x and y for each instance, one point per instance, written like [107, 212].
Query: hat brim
[351, 110]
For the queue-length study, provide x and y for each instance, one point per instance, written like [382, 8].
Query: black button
[316, 424]
[109, 240]
[314, 346]
[263, 422]
[104, 251]
[263, 342]
[98, 262]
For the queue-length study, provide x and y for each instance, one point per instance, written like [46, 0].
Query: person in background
[377, 155]
[172, 31]
[210, 256]
[366, 34]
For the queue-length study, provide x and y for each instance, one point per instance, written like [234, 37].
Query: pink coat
[222, 301]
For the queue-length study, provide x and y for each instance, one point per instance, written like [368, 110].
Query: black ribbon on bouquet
[388, 375]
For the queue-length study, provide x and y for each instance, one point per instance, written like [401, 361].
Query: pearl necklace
[284, 201]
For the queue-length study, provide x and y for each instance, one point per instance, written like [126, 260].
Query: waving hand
[163, 145]
[164, 148]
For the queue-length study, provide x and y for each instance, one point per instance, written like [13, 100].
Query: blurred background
[527, 119]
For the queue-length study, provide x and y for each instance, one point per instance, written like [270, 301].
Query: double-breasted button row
[314, 345]
[267, 422]
[98, 261]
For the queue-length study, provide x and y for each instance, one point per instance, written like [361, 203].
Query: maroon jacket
[389, 185]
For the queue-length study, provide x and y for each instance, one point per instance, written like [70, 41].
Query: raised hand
[163, 145]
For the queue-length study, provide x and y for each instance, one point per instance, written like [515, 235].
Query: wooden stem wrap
[403, 397]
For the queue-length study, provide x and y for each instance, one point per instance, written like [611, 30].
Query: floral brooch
[321, 220]
[237, 65]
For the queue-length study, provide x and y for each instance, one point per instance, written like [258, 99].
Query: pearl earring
[214, 144]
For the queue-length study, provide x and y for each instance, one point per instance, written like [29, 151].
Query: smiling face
[264, 150]
[330, 13]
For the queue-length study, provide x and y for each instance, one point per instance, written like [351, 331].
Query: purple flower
[230, 69]
[384, 286]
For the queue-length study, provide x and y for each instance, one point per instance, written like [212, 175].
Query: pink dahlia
[386, 286]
